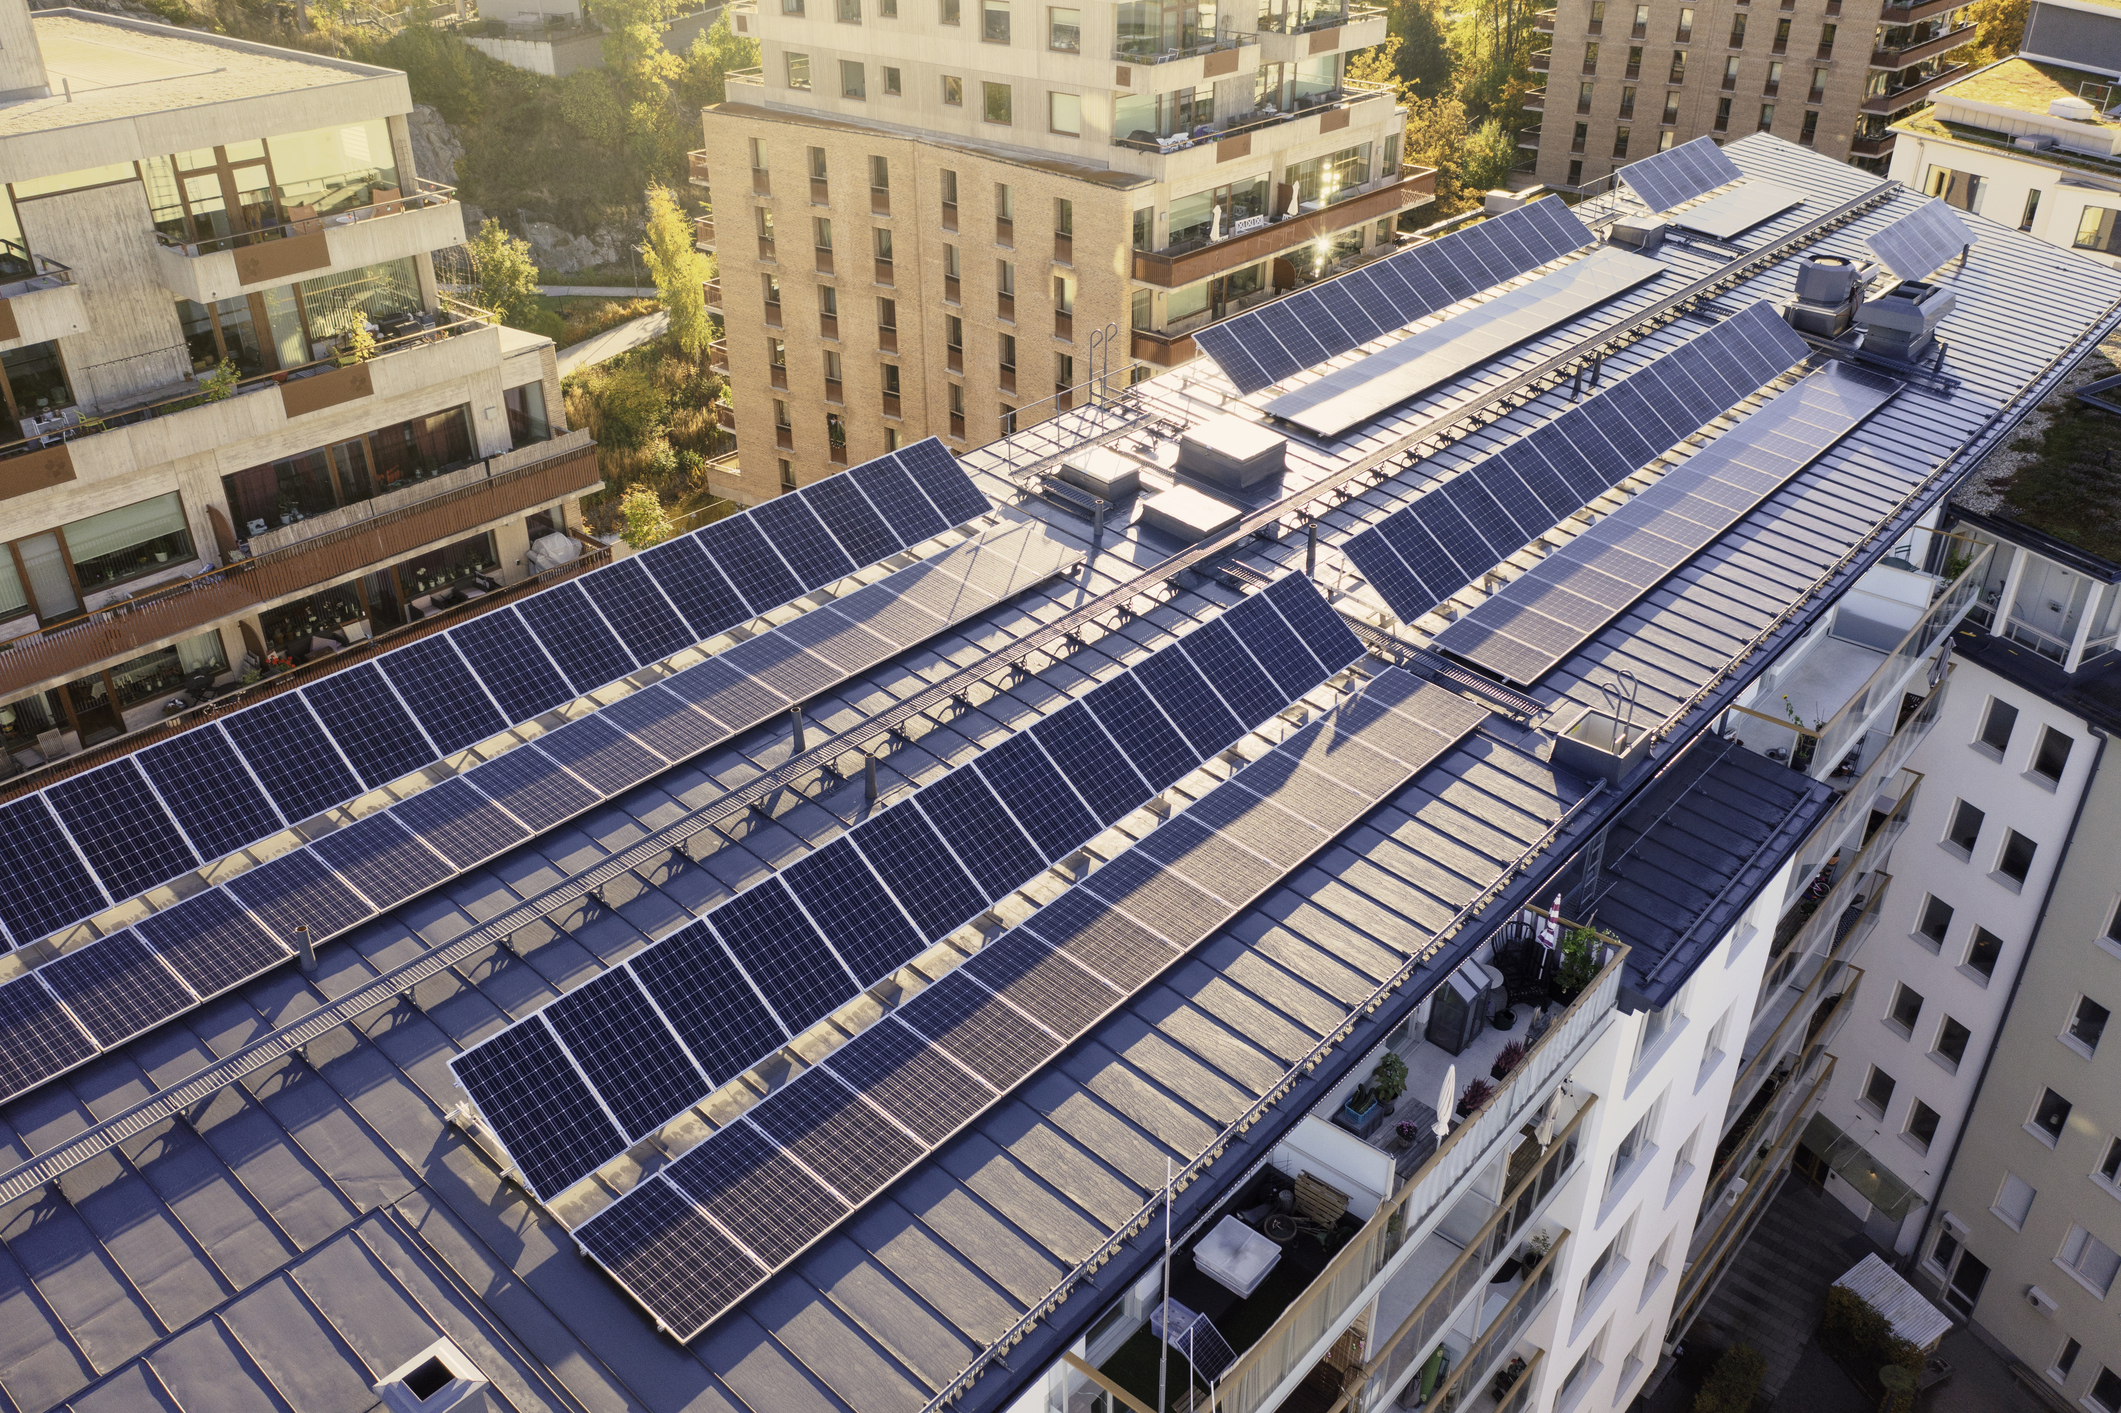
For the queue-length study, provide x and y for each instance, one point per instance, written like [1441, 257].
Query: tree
[702, 79]
[1492, 48]
[1424, 55]
[1436, 137]
[627, 408]
[1490, 155]
[642, 521]
[679, 271]
[2001, 30]
[507, 278]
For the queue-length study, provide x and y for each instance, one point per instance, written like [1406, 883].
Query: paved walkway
[613, 342]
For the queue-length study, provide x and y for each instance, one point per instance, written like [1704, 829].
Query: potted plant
[1510, 1056]
[1535, 1249]
[1478, 1092]
[1389, 1080]
[1579, 963]
[1408, 1131]
[1360, 1112]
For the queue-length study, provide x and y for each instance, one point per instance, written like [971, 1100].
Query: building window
[1907, 1009]
[1627, 101]
[1738, 33]
[850, 12]
[1922, 1125]
[1063, 373]
[1576, 170]
[1685, 32]
[949, 12]
[883, 244]
[854, 80]
[1767, 117]
[2017, 858]
[953, 91]
[527, 422]
[1965, 830]
[1774, 79]
[1620, 142]
[1981, 957]
[816, 158]
[2014, 1201]
[798, 69]
[1809, 132]
[2106, 1391]
[2032, 209]
[1961, 189]
[1634, 68]
[1005, 278]
[2050, 1117]
[2053, 755]
[1064, 294]
[1590, 57]
[1671, 108]
[821, 232]
[1064, 30]
[997, 103]
[1936, 920]
[2064, 1361]
[879, 174]
[2086, 1024]
[787, 475]
[1997, 724]
[994, 21]
[1951, 1043]
[1642, 22]
[1629, 1150]
[2095, 231]
[2089, 1259]
[2113, 926]
[2110, 1165]
[1583, 96]
[1677, 73]
[780, 413]
[134, 541]
[1064, 114]
[891, 82]
[887, 9]
[1580, 138]
[758, 155]
[1818, 93]
[1878, 1091]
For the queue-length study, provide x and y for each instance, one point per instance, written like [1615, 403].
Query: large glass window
[426, 446]
[1322, 180]
[1148, 116]
[128, 542]
[337, 304]
[1148, 28]
[33, 381]
[2096, 230]
[334, 169]
[526, 414]
[1195, 217]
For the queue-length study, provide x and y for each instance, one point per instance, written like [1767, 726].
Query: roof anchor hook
[1621, 693]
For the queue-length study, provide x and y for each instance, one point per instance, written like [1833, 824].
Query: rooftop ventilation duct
[436, 1379]
[1902, 323]
[1829, 292]
[1641, 234]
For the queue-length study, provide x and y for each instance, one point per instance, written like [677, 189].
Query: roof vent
[2037, 142]
[438, 1378]
[2075, 109]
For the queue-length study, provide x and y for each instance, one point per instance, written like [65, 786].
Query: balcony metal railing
[23, 273]
[1915, 92]
[703, 232]
[1495, 1341]
[696, 168]
[424, 194]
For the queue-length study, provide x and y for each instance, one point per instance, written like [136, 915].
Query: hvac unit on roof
[1902, 323]
[1829, 292]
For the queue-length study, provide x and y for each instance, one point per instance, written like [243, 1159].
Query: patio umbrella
[1550, 930]
[1544, 1134]
[1446, 1100]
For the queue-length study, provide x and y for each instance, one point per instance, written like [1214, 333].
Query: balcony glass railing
[1480, 1362]
[22, 273]
[1350, 92]
[383, 202]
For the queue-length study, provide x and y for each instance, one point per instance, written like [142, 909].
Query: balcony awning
[1853, 1163]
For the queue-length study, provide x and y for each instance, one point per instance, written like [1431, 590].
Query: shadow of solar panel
[458, 822]
[295, 890]
[626, 1052]
[828, 1128]
[124, 832]
[1400, 718]
[1101, 775]
[42, 1039]
[961, 809]
[708, 1002]
[1157, 899]
[363, 715]
[846, 646]
[910, 514]
[669, 727]
[532, 787]
[211, 942]
[1276, 647]
[920, 1087]
[852, 521]
[544, 1115]
[918, 869]
[381, 858]
[1318, 799]
[943, 481]
[116, 987]
[1257, 825]
[1189, 701]
[694, 586]
[1139, 727]
[575, 635]
[1041, 982]
[445, 698]
[800, 536]
[1197, 855]
[283, 745]
[43, 885]
[983, 1033]
[611, 761]
[750, 1186]
[636, 610]
[783, 955]
[853, 910]
[1037, 795]
[742, 554]
[669, 1257]
[509, 663]
[780, 662]
[734, 698]
[880, 610]
[1111, 944]
[223, 807]
[1921, 242]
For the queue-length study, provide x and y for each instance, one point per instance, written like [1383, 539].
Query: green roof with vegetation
[2025, 86]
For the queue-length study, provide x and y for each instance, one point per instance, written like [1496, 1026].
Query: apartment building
[1624, 80]
[2031, 140]
[241, 419]
[935, 217]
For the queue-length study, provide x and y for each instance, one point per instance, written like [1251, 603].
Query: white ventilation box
[436, 1379]
[2040, 1300]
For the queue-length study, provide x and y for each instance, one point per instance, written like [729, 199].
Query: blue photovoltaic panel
[671, 1259]
[779, 661]
[662, 720]
[750, 1186]
[636, 610]
[458, 822]
[1214, 649]
[1275, 645]
[378, 856]
[220, 820]
[508, 660]
[532, 787]
[980, 832]
[543, 1114]
[297, 890]
[912, 517]
[1138, 725]
[919, 871]
[736, 699]
[708, 1002]
[783, 955]
[1189, 701]
[911, 1080]
[1922, 242]
[1042, 801]
[290, 753]
[851, 519]
[741, 552]
[801, 538]
[447, 701]
[1386, 572]
[698, 589]
[937, 473]
[116, 987]
[1107, 783]
[43, 885]
[1323, 631]
[122, 828]
[42, 1040]
[629, 1055]
[211, 942]
[1675, 177]
[601, 754]
[843, 1140]
[364, 716]
[856, 915]
[1336, 299]
[575, 635]
[1239, 357]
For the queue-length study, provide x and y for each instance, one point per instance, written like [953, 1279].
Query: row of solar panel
[111, 833]
[1923, 241]
[1419, 556]
[1666, 179]
[779, 957]
[98, 995]
[1543, 615]
[1282, 339]
[691, 1241]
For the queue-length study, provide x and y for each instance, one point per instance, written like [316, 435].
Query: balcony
[39, 300]
[718, 356]
[1542, 61]
[1901, 56]
[1544, 22]
[1881, 146]
[1915, 92]
[1535, 101]
[703, 236]
[712, 290]
[696, 168]
[1231, 138]
[1528, 138]
[1184, 264]
[312, 553]
[1292, 40]
[391, 227]
[1921, 10]
[725, 416]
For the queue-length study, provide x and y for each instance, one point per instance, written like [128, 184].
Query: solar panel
[1036, 795]
[1276, 646]
[636, 610]
[708, 1002]
[363, 715]
[1922, 242]
[531, 786]
[1281, 339]
[736, 699]
[839, 502]
[779, 662]
[295, 890]
[379, 856]
[742, 554]
[664, 722]
[210, 942]
[538, 1106]
[43, 883]
[813, 555]
[1231, 671]
[1105, 779]
[783, 955]
[919, 869]
[446, 699]
[116, 987]
[288, 751]
[983, 1033]
[943, 481]
[1139, 727]
[910, 514]
[979, 830]
[1736, 212]
[43, 1039]
[845, 901]
[1189, 701]
[750, 1186]
[681, 1267]
[626, 1052]
[576, 636]
[219, 820]
[911, 1080]
[1323, 631]
[610, 760]
[458, 822]
[881, 610]
[123, 829]
[1541, 616]
[1668, 179]
[846, 646]
[508, 661]
[692, 583]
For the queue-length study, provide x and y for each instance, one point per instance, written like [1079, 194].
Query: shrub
[1477, 1093]
[1855, 1333]
[1734, 1383]
[642, 520]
